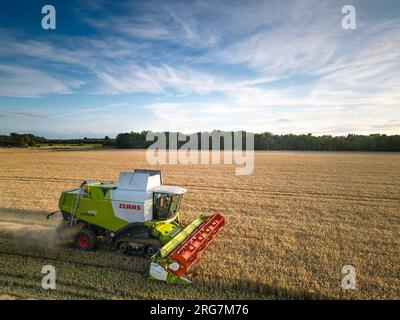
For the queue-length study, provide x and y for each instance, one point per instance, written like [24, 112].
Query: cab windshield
[166, 205]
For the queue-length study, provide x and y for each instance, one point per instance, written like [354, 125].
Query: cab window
[165, 205]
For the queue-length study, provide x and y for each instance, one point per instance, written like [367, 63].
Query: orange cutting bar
[188, 252]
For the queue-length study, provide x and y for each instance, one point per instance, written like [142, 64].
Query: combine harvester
[140, 216]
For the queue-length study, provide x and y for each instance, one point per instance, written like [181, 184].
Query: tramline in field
[140, 216]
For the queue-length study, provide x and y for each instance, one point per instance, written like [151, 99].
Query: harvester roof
[138, 180]
[169, 189]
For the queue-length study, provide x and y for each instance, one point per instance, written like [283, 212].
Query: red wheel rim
[83, 241]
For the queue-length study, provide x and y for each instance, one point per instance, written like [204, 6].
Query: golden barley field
[291, 227]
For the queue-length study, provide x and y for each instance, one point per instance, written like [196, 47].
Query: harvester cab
[140, 216]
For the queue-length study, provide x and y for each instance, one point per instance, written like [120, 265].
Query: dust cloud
[37, 231]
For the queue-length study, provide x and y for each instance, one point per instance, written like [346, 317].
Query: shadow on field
[271, 291]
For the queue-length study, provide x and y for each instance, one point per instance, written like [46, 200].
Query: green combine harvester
[140, 216]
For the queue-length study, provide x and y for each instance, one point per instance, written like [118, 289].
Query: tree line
[262, 141]
[269, 141]
[20, 140]
[30, 140]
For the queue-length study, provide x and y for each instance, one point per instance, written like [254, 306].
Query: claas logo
[129, 206]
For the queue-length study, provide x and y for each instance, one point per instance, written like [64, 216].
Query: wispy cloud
[29, 114]
[392, 124]
[159, 21]
[28, 82]
[155, 79]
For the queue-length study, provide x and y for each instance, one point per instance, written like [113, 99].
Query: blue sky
[278, 66]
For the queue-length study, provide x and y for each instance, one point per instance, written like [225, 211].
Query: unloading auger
[140, 216]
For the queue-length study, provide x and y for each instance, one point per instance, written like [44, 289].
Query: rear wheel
[85, 240]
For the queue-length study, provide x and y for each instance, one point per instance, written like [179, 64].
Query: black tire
[123, 247]
[151, 250]
[85, 240]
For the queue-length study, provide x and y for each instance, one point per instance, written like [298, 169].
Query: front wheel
[85, 240]
[151, 250]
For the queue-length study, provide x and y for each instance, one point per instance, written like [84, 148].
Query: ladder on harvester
[76, 206]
